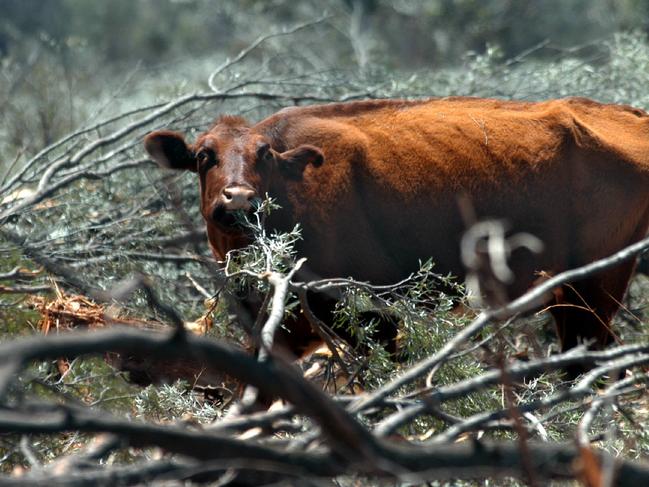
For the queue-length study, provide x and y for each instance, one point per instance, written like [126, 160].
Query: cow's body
[573, 172]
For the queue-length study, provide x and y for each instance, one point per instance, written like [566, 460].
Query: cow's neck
[221, 243]
[282, 219]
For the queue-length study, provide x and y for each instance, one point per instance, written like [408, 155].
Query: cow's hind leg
[584, 309]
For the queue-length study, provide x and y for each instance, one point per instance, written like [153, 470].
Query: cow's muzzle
[233, 207]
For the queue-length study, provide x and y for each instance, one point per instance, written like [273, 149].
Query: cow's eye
[264, 153]
[205, 159]
[202, 157]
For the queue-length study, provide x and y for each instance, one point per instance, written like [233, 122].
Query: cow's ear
[170, 150]
[292, 162]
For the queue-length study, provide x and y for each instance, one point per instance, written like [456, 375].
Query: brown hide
[375, 187]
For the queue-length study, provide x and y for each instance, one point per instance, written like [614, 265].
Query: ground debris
[66, 312]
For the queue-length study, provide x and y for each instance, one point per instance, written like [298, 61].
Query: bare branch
[255, 44]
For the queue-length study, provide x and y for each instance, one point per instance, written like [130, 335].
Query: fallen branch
[526, 302]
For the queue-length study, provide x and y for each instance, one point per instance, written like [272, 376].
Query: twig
[638, 354]
[255, 44]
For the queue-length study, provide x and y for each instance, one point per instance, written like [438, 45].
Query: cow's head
[235, 166]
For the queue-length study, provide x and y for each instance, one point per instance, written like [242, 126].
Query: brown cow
[374, 185]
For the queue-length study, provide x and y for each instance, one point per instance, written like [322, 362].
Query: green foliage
[170, 402]
[422, 307]
[89, 380]
[271, 250]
